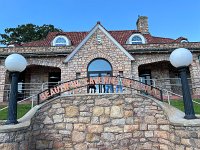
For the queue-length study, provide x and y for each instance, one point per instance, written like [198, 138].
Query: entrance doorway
[145, 76]
[99, 68]
[54, 78]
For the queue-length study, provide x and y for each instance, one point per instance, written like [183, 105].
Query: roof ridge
[89, 31]
[71, 32]
[161, 37]
[121, 30]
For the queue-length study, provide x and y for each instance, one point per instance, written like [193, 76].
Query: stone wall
[54, 57]
[98, 122]
[3, 73]
[164, 47]
[92, 50]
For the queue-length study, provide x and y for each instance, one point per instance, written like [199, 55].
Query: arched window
[184, 41]
[99, 65]
[61, 41]
[136, 39]
[100, 68]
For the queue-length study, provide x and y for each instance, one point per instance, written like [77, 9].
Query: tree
[26, 33]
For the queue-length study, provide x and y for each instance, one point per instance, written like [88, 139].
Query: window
[99, 68]
[99, 65]
[99, 41]
[136, 39]
[184, 41]
[199, 58]
[78, 75]
[121, 73]
[61, 41]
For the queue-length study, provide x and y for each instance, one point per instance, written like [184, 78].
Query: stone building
[63, 56]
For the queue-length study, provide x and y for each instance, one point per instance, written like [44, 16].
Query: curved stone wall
[107, 122]
[103, 122]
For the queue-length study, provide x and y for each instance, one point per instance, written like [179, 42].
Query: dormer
[136, 39]
[61, 40]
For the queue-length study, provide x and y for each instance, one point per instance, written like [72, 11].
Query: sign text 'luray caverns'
[84, 82]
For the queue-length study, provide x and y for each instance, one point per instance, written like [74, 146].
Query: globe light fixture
[14, 63]
[181, 58]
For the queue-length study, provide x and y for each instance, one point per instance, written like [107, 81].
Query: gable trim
[97, 26]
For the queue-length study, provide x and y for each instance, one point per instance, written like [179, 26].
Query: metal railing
[171, 84]
[30, 90]
[33, 99]
[171, 88]
[25, 90]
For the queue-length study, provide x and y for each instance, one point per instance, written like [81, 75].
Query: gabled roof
[96, 27]
[121, 36]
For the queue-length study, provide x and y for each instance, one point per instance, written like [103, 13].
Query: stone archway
[35, 78]
[161, 74]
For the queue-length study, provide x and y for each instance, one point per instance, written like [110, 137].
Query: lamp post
[14, 63]
[181, 58]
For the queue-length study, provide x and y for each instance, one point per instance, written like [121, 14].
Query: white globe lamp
[181, 58]
[14, 63]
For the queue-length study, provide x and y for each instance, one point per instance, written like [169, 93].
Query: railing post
[42, 86]
[38, 101]
[32, 102]
[168, 97]
[154, 85]
[161, 95]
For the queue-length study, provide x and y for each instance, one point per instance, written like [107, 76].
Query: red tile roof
[74, 37]
[120, 36]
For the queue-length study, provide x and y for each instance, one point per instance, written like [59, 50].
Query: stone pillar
[134, 70]
[195, 77]
[2, 82]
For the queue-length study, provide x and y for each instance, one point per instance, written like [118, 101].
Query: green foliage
[22, 109]
[26, 33]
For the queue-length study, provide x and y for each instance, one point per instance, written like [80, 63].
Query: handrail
[44, 86]
[47, 83]
[196, 102]
[168, 99]
[32, 101]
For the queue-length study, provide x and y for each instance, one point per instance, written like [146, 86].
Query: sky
[167, 18]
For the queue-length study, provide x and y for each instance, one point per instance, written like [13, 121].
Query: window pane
[136, 40]
[60, 44]
[99, 65]
[61, 40]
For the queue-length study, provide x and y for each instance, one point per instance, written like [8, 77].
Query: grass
[179, 104]
[22, 109]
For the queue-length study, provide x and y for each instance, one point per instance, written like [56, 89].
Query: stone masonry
[101, 122]
[91, 50]
[143, 54]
